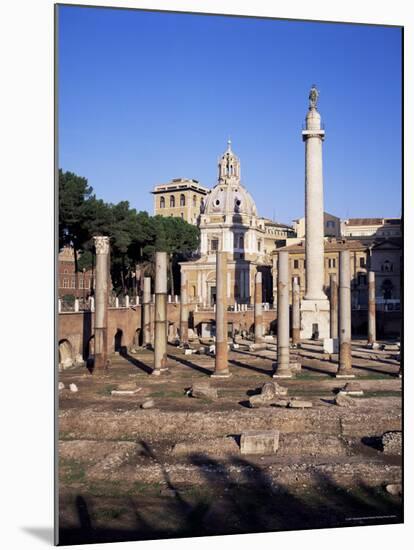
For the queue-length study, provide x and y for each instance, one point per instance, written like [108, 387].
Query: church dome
[229, 196]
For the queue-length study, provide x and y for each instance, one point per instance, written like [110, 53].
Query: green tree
[74, 193]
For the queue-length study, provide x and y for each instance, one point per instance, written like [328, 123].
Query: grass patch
[107, 389]
[71, 471]
[166, 393]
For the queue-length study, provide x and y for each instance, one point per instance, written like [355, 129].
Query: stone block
[352, 388]
[61, 386]
[73, 388]
[188, 351]
[125, 392]
[330, 345]
[394, 489]
[299, 404]
[203, 390]
[262, 442]
[148, 404]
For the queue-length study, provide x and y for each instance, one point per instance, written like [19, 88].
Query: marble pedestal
[314, 312]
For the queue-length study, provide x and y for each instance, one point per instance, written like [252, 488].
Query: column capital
[101, 244]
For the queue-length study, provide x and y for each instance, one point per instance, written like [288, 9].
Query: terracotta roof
[364, 221]
[332, 245]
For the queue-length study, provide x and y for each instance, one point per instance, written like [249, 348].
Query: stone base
[314, 312]
[225, 374]
[345, 376]
[259, 442]
[282, 375]
[330, 345]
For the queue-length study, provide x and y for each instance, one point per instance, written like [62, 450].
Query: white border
[26, 283]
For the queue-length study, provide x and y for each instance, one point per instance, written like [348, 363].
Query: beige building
[276, 235]
[331, 226]
[359, 261]
[371, 227]
[181, 198]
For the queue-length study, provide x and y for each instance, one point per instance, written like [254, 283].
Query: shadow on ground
[237, 497]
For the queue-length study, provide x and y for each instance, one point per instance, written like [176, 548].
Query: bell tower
[229, 167]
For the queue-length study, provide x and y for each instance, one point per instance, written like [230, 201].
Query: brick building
[67, 283]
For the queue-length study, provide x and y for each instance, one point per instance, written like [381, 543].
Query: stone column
[295, 312]
[313, 137]
[282, 366]
[371, 308]
[101, 302]
[315, 305]
[274, 280]
[345, 355]
[221, 368]
[160, 316]
[333, 301]
[146, 313]
[184, 310]
[258, 308]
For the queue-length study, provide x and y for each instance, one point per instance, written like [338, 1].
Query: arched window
[172, 201]
[162, 202]
[241, 242]
[387, 266]
[182, 200]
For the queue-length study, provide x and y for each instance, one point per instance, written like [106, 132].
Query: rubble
[342, 400]
[392, 443]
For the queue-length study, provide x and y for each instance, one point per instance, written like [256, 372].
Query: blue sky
[146, 97]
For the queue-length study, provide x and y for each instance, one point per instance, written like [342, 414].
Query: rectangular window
[81, 282]
[361, 262]
[65, 283]
[214, 244]
[73, 283]
[296, 264]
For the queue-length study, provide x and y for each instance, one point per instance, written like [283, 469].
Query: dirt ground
[176, 470]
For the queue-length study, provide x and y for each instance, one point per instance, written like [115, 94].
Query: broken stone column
[146, 313]
[76, 305]
[221, 368]
[160, 317]
[333, 302]
[258, 312]
[282, 366]
[126, 301]
[345, 356]
[295, 312]
[101, 301]
[371, 308]
[184, 310]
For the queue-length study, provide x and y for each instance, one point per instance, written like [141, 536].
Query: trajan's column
[315, 305]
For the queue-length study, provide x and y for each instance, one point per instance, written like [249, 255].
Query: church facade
[229, 222]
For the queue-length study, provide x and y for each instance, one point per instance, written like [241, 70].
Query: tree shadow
[236, 495]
